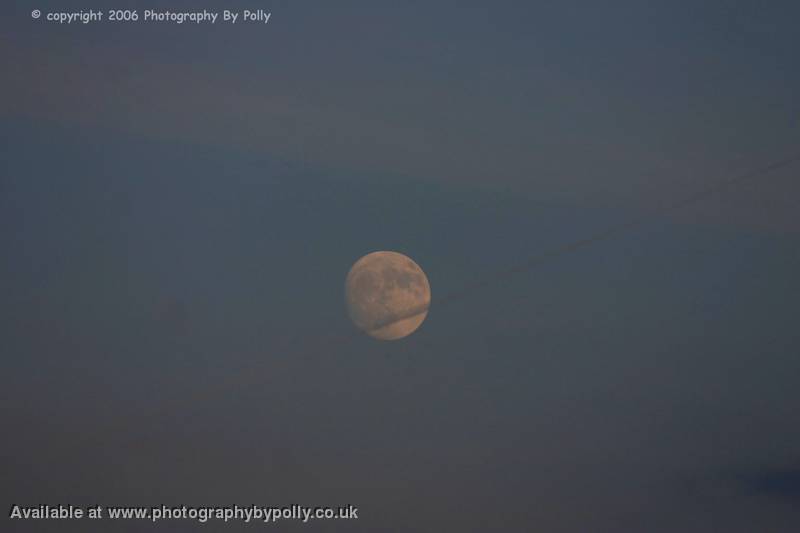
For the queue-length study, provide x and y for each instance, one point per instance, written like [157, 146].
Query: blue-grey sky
[179, 206]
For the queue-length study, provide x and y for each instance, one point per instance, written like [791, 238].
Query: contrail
[255, 374]
[411, 312]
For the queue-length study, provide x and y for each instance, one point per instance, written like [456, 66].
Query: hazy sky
[179, 206]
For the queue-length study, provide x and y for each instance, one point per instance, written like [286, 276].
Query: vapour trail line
[254, 374]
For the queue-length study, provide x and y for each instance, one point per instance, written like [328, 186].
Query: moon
[387, 295]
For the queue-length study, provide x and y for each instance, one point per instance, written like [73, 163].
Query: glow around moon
[387, 295]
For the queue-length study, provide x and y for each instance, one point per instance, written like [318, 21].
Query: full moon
[387, 295]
